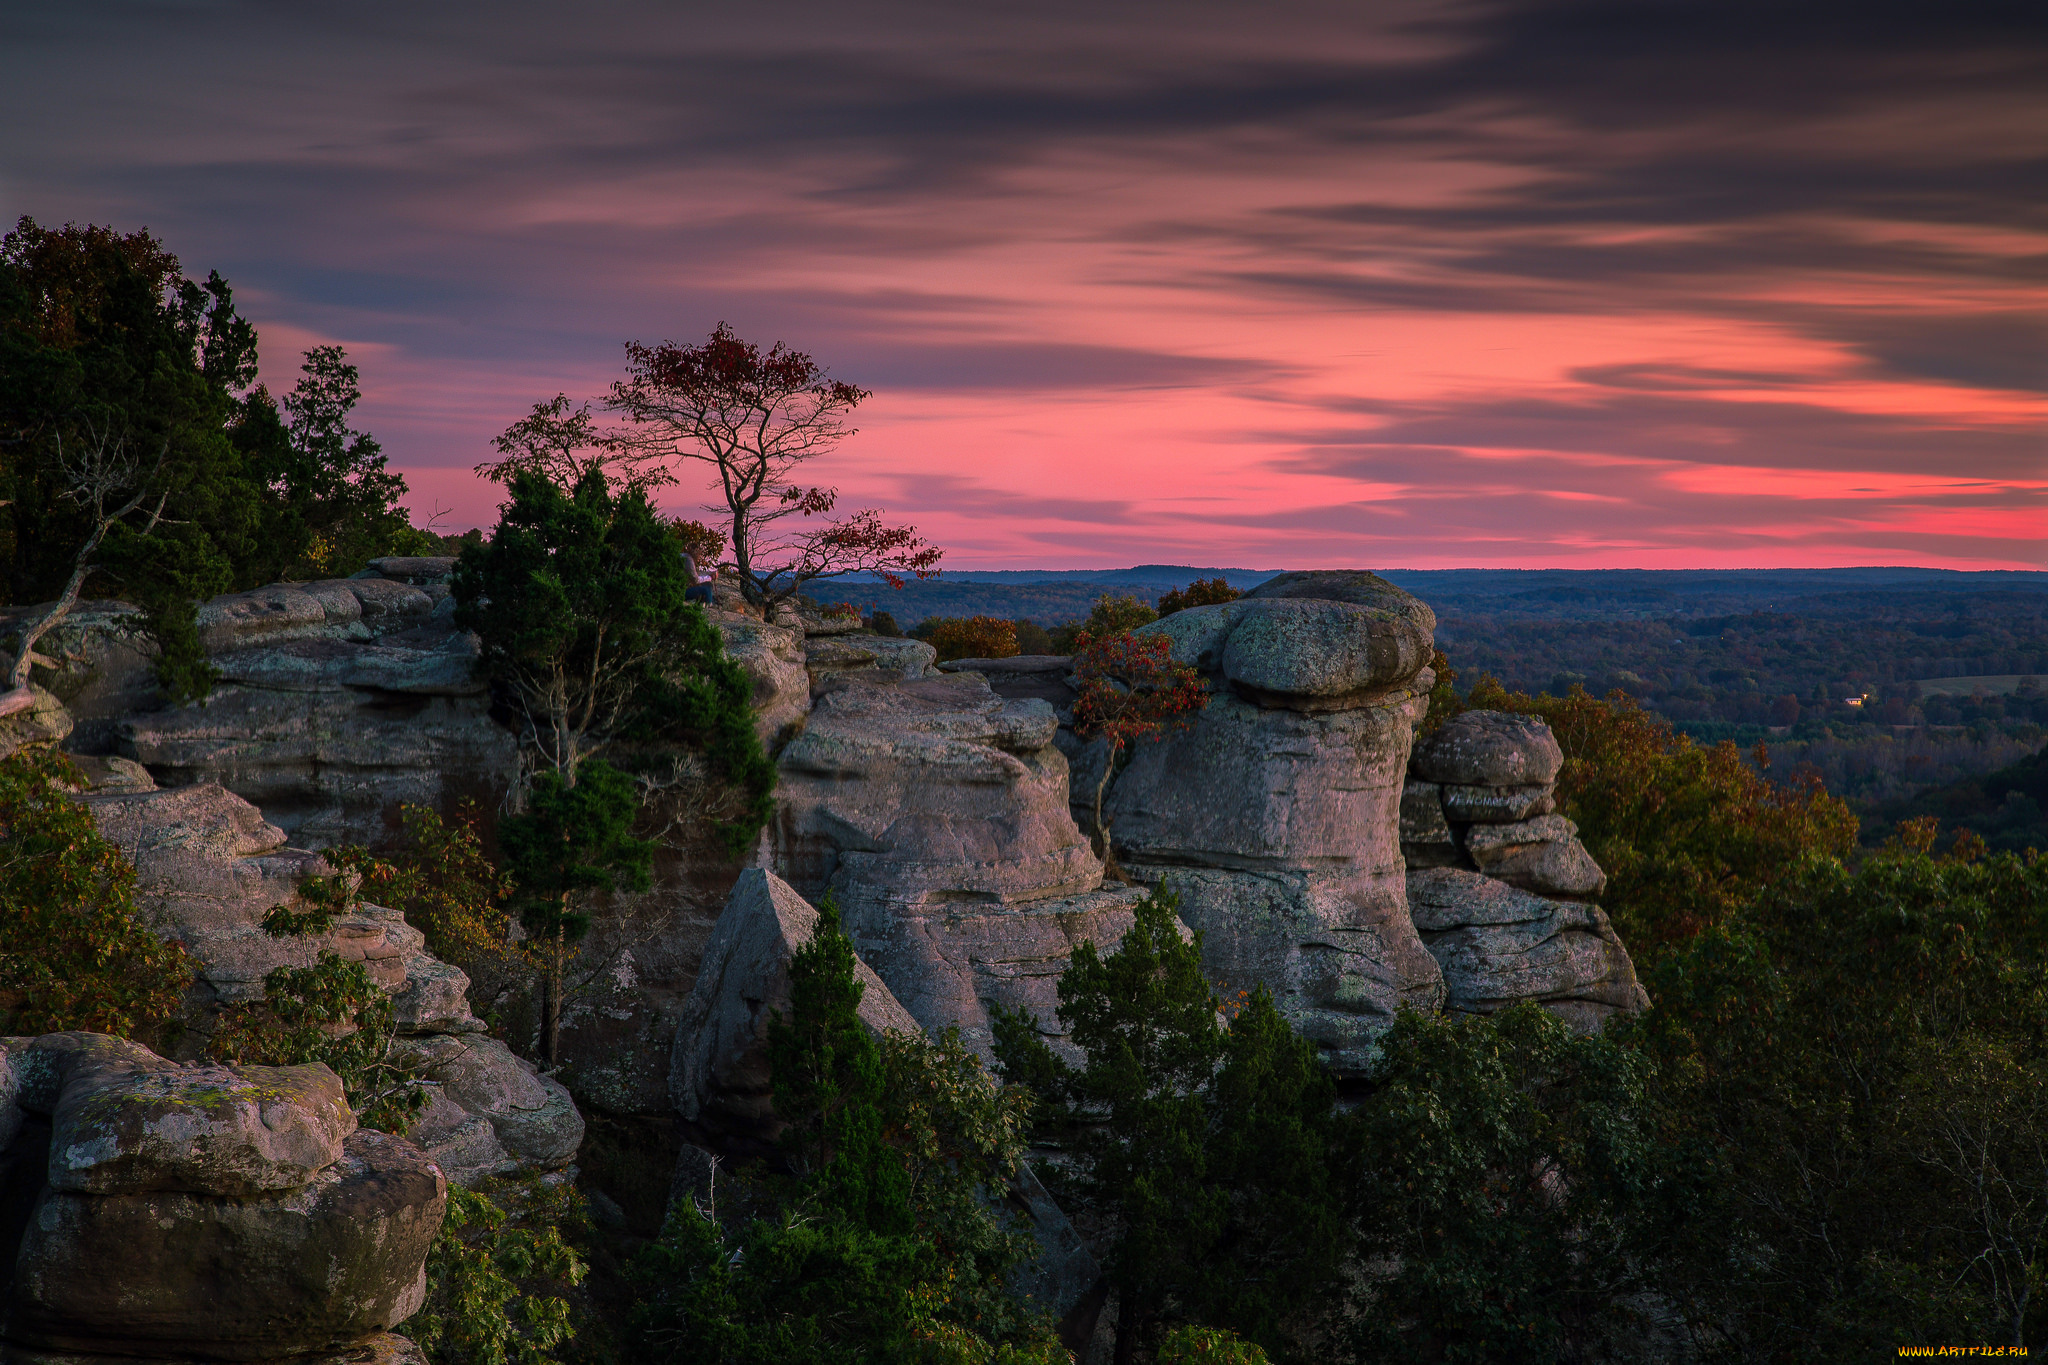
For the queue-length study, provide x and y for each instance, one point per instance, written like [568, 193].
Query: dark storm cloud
[1017, 365]
[1675, 427]
[1728, 119]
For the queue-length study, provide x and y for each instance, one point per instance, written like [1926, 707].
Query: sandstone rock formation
[720, 1071]
[209, 867]
[774, 658]
[1276, 815]
[342, 699]
[1499, 944]
[937, 813]
[1498, 886]
[337, 700]
[44, 722]
[154, 1212]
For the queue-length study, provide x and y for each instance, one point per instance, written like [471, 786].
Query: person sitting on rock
[700, 587]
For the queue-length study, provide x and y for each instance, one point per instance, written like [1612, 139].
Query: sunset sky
[1378, 284]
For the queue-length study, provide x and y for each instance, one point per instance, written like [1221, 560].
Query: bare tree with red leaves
[755, 416]
[1131, 689]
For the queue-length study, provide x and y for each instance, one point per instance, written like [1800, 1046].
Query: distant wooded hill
[1054, 597]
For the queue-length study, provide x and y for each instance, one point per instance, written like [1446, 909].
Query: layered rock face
[1500, 887]
[337, 700]
[936, 812]
[157, 1212]
[209, 867]
[1275, 816]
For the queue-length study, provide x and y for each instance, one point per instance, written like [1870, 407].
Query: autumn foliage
[1130, 689]
[972, 637]
[1687, 833]
[754, 416]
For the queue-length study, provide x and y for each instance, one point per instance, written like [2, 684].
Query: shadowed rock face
[1491, 749]
[160, 1212]
[1276, 815]
[1499, 944]
[720, 1073]
[339, 701]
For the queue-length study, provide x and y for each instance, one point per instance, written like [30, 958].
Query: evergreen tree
[117, 379]
[578, 598]
[75, 950]
[1509, 1187]
[574, 838]
[1855, 1073]
[1205, 1135]
[330, 504]
[880, 1242]
[131, 468]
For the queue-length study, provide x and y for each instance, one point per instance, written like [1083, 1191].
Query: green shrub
[1208, 1346]
[75, 953]
[1202, 1133]
[497, 1274]
[880, 1244]
[1509, 1185]
[331, 1012]
[1202, 592]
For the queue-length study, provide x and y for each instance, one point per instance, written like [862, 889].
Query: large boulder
[241, 1131]
[937, 813]
[150, 1211]
[329, 735]
[44, 722]
[887, 656]
[1499, 944]
[1022, 676]
[1359, 587]
[491, 1112]
[720, 1073]
[1542, 855]
[1491, 749]
[1276, 814]
[928, 791]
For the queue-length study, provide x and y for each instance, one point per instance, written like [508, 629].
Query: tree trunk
[551, 1042]
[1102, 829]
[1130, 1328]
[17, 676]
